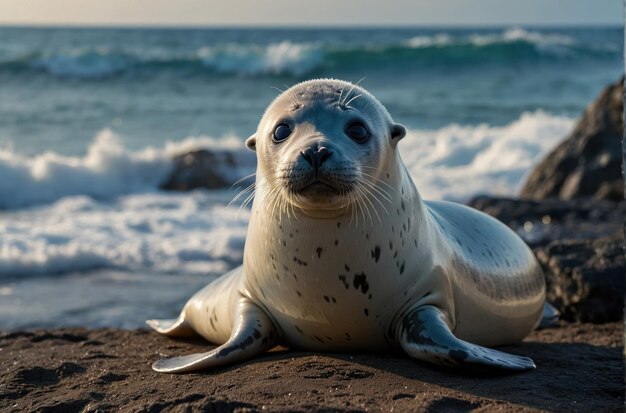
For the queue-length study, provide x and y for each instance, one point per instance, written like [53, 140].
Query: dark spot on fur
[300, 262]
[342, 278]
[458, 355]
[346, 267]
[402, 267]
[327, 299]
[298, 329]
[366, 311]
[402, 203]
[299, 293]
[376, 253]
[318, 339]
[336, 242]
[338, 224]
[256, 334]
[319, 252]
[391, 245]
[360, 281]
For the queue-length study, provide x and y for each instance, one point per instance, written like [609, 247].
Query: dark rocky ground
[579, 368]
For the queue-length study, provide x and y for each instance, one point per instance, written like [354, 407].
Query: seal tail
[176, 327]
[550, 316]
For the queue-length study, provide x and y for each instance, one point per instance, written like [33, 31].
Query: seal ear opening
[251, 142]
[397, 132]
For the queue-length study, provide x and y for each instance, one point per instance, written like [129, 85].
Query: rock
[579, 244]
[588, 163]
[585, 278]
[198, 169]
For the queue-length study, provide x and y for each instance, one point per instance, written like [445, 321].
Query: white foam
[190, 233]
[107, 170]
[551, 42]
[278, 58]
[441, 39]
[457, 162]
[84, 63]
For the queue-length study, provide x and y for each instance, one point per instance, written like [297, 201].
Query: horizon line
[109, 25]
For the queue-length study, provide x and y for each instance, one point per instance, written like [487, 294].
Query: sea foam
[104, 210]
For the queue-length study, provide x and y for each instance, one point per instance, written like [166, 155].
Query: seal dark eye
[281, 132]
[357, 132]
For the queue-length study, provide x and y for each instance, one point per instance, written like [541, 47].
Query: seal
[343, 254]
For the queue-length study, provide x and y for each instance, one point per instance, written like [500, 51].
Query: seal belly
[498, 285]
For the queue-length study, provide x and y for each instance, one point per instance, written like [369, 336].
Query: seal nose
[316, 156]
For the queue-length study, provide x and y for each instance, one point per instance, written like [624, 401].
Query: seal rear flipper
[253, 333]
[176, 327]
[424, 335]
[549, 317]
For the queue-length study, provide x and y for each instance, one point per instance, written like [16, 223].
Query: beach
[579, 368]
[119, 149]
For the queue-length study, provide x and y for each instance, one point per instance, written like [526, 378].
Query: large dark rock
[588, 163]
[579, 244]
[198, 169]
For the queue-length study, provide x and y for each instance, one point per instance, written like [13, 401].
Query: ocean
[90, 118]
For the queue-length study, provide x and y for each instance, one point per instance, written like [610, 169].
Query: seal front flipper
[424, 335]
[253, 333]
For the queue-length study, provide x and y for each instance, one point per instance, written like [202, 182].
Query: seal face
[342, 253]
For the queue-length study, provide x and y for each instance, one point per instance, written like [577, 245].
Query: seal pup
[342, 253]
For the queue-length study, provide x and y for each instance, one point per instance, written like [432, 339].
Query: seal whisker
[241, 193]
[381, 204]
[244, 205]
[243, 179]
[367, 192]
[366, 197]
[378, 179]
[351, 100]
[351, 89]
[364, 208]
[341, 94]
[378, 189]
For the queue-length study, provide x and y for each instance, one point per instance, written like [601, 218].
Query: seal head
[322, 144]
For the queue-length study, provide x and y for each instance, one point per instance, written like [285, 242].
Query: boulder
[588, 163]
[198, 169]
[579, 244]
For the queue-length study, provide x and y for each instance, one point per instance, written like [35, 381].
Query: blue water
[59, 87]
[90, 118]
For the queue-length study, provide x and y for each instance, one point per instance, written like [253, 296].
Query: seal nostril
[322, 155]
[309, 156]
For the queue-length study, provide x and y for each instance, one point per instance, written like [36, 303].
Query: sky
[310, 13]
